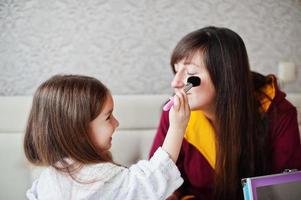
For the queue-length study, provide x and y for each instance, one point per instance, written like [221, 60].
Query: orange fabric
[187, 197]
[200, 134]
[270, 91]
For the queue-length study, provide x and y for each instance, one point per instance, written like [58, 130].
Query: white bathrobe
[154, 179]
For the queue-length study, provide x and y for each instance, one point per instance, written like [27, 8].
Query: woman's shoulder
[272, 98]
[281, 104]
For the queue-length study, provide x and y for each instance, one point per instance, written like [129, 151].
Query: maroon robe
[286, 149]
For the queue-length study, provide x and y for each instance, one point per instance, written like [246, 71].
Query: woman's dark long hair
[242, 142]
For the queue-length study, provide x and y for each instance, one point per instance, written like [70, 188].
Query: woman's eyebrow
[191, 63]
[109, 112]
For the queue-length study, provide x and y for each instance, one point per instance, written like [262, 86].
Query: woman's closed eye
[192, 71]
[109, 116]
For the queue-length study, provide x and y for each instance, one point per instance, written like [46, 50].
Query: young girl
[241, 125]
[70, 129]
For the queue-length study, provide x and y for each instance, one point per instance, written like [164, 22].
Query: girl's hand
[180, 112]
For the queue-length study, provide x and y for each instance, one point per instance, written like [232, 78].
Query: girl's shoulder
[105, 170]
[55, 184]
[87, 173]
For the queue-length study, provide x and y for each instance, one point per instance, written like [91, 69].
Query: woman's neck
[210, 113]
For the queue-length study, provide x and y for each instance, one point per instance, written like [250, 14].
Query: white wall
[127, 43]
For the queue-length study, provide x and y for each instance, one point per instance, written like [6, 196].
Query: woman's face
[201, 97]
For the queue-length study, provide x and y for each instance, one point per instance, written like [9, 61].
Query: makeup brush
[192, 81]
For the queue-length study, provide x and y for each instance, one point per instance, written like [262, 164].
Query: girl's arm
[159, 177]
[156, 178]
[158, 142]
[178, 120]
[161, 133]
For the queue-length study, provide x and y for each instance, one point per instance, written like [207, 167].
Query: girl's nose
[116, 122]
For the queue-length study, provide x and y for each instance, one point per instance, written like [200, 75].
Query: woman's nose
[178, 81]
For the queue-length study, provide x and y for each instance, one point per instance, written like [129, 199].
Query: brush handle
[168, 105]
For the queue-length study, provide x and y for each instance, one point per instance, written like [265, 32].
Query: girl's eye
[108, 117]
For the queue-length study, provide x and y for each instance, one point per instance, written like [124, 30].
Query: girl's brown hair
[243, 143]
[58, 123]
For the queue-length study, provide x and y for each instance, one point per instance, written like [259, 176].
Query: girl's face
[201, 97]
[103, 126]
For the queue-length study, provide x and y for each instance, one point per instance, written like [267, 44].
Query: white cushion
[15, 176]
[14, 112]
[138, 111]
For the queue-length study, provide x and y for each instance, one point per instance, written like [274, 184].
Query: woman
[241, 125]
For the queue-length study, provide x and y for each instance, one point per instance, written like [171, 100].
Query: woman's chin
[195, 107]
[192, 106]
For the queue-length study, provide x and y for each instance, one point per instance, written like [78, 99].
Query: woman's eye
[108, 117]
